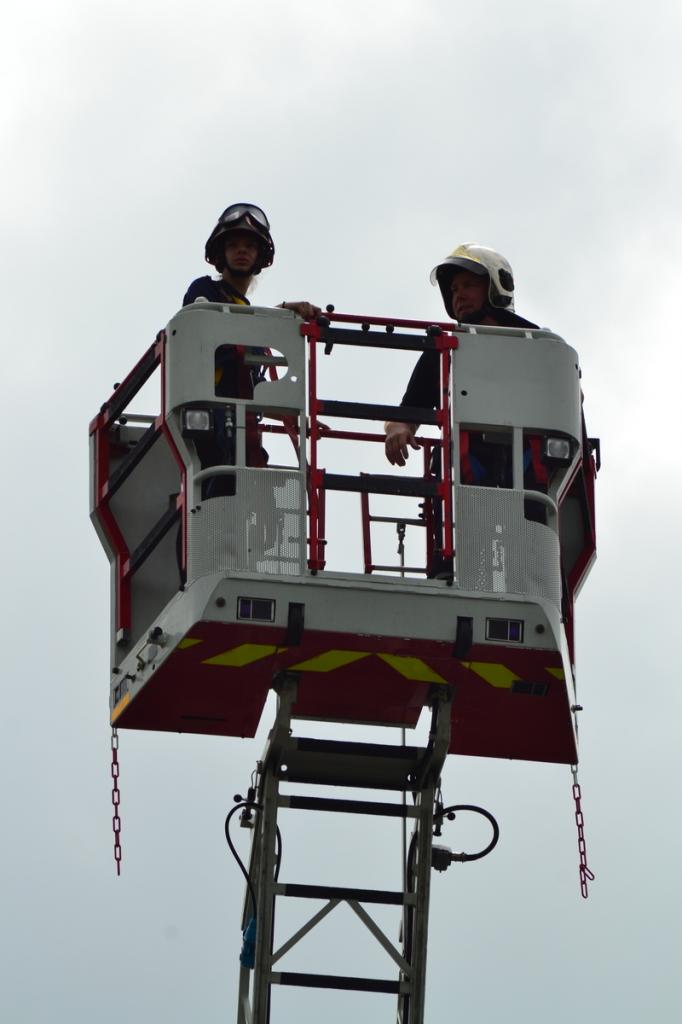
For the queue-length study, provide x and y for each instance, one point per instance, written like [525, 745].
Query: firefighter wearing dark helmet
[477, 286]
[239, 247]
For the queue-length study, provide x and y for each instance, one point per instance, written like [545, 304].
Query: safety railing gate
[436, 490]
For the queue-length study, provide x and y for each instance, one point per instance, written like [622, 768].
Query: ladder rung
[321, 803]
[365, 765]
[333, 892]
[355, 748]
[335, 981]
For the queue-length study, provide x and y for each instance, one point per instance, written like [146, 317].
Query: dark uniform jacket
[232, 380]
[214, 291]
[422, 390]
[488, 463]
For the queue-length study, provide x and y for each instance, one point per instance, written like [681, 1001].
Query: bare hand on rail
[399, 437]
[307, 310]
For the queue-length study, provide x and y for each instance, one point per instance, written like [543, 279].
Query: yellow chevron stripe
[189, 641]
[558, 673]
[125, 699]
[412, 668]
[244, 654]
[494, 673]
[330, 660]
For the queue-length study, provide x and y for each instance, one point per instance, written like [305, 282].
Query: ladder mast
[311, 762]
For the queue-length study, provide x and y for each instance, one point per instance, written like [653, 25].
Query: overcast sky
[377, 135]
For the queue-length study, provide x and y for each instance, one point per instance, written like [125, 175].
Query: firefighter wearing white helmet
[477, 285]
[483, 262]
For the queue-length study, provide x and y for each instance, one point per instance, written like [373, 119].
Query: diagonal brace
[315, 919]
[381, 938]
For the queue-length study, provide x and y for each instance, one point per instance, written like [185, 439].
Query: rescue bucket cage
[221, 562]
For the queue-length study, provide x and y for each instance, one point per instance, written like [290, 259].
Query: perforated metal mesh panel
[499, 551]
[259, 529]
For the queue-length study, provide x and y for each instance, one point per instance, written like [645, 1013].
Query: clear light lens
[558, 448]
[197, 419]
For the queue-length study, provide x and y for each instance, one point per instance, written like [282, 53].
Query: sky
[377, 135]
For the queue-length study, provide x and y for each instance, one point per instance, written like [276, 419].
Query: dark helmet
[479, 260]
[241, 217]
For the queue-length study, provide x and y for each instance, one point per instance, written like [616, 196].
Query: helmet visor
[238, 211]
[453, 263]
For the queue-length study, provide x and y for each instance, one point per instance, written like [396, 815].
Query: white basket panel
[261, 528]
[499, 551]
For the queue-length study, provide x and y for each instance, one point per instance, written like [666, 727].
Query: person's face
[469, 292]
[241, 251]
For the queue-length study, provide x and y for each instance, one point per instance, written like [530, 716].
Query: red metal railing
[106, 485]
[443, 340]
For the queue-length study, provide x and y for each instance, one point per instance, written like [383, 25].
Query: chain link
[116, 799]
[585, 874]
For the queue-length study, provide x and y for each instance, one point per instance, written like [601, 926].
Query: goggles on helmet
[238, 211]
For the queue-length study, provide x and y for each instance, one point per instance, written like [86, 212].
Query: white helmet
[479, 260]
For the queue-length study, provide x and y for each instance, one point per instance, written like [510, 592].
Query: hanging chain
[116, 799]
[585, 873]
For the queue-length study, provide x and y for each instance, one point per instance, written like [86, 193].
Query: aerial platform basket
[218, 567]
